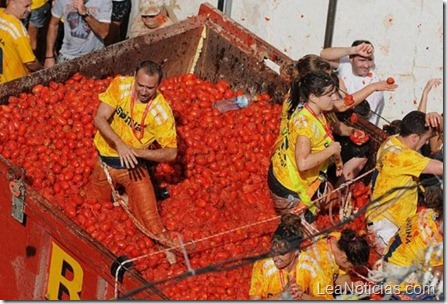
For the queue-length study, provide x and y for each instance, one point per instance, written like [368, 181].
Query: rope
[119, 201]
[380, 116]
[277, 217]
[249, 260]
[344, 185]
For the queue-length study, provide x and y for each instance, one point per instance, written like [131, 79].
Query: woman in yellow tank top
[306, 148]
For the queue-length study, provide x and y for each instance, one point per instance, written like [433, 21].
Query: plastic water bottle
[233, 103]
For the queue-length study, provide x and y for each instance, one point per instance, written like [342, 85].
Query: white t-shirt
[356, 83]
[79, 39]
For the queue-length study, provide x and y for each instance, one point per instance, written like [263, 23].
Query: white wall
[407, 35]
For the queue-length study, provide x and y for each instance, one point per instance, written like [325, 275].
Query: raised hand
[434, 120]
[364, 50]
[79, 5]
[432, 83]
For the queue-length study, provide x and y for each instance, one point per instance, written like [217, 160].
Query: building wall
[407, 35]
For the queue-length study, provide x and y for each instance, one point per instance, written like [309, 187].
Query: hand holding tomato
[348, 100]
[359, 137]
[384, 85]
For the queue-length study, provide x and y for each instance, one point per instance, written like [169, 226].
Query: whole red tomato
[348, 100]
[390, 80]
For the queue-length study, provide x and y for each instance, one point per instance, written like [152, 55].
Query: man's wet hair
[150, 68]
[413, 123]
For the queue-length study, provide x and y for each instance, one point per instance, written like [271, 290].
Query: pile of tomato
[219, 204]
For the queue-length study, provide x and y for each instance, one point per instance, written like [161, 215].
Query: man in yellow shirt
[410, 246]
[133, 115]
[394, 182]
[16, 56]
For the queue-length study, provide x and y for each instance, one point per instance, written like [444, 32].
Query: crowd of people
[403, 221]
[38, 34]
[404, 218]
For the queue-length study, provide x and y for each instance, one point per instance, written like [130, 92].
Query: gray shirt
[79, 39]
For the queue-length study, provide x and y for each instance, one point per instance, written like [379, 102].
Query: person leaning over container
[327, 262]
[85, 27]
[131, 116]
[394, 181]
[271, 276]
[150, 17]
[16, 55]
[300, 158]
[355, 67]
[410, 246]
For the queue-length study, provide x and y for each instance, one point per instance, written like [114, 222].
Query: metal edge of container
[70, 235]
[93, 65]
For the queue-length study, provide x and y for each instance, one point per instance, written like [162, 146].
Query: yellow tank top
[285, 169]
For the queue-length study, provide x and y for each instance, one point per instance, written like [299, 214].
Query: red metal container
[45, 255]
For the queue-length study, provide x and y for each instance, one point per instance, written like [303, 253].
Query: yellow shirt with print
[266, 279]
[159, 124]
[285, 169]
[284, 123]
[408, 247]
[284, 113]
[397, 166]
[15, 48]
[317, 269]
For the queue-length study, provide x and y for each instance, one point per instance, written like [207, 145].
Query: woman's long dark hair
[314, 82]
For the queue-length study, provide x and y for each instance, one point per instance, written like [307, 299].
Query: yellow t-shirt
[15, 48]
[35, 4]
[266, 279]
[285, 108]
[408, 247]
[397, 166]
[284, 123]
[159, 123]
[317, 269]
[285, 169]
